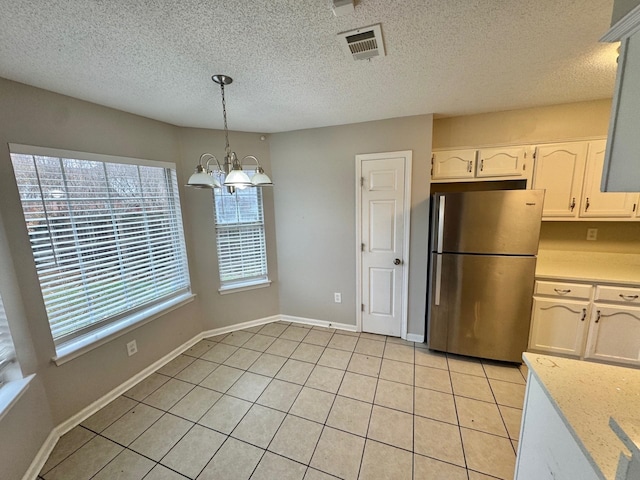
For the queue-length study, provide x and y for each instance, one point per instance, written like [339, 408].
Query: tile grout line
[271, 378]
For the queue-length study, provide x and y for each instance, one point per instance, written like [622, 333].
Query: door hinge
[432, 159]
[362, 307]
[362, 247]
[362, 181]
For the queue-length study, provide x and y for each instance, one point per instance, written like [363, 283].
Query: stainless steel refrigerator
[482, 266]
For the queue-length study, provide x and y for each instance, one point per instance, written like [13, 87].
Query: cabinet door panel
[614, 334]
[558, 326]
[596, 203]
[454, 164]
[560, 171]
[501, 162]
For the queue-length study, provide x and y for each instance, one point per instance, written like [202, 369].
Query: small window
[242, 251]
[7, 353]
[106, 234]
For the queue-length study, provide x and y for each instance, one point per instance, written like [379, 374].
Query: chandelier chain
[224, 115]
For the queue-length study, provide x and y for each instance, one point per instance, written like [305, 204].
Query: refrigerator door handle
[440, 224]
[438, 286]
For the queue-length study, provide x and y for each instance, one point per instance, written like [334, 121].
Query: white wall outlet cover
[337, 297]
[592, 234]
[132, 348]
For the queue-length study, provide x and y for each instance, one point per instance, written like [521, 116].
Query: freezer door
[484, 305]
[495, 222]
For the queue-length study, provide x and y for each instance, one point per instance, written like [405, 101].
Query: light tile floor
[286, 401]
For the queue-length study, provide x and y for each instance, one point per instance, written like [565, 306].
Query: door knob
[397, 261]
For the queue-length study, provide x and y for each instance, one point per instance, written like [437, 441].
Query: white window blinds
[106, 235]
[242, 255]
[7, 354]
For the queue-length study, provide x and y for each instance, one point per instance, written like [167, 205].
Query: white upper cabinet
[501, 162]
[453, 164]
[596, 203]
[560, 172]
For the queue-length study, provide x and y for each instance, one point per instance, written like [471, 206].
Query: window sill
[243, 286]
[78, 346]
[11, 392]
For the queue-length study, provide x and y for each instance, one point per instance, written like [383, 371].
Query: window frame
[96, 333]
[8, 361]
[248, 282]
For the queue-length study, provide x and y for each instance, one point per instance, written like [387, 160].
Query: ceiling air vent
[363, 43]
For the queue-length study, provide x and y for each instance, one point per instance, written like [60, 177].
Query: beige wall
[36, 117]
[613, 237]
[315, 203]
[223, 310]
[572, 121]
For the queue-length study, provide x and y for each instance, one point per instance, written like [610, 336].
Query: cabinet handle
[482, 164]
[586, 207]
[634, 206]
[584, 314]
[560, 291]
[629, 298]
[573, 204]
[469, 166]
[598, 316]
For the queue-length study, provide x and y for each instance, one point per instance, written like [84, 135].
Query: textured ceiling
[448, 57]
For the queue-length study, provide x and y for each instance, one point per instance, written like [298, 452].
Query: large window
[242, 255]
[106, 234]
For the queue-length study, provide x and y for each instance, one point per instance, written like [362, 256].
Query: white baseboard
[42, 455]
[320, 323]
[414, 337]
[78, 418]
[86, 412]
[240, 326]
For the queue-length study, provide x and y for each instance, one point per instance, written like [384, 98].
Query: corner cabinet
[571, 173]
[580, 320]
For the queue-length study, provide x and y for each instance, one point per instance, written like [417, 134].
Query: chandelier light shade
[231, 169]
[203, 177]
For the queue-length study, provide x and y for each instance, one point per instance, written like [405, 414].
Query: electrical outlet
[337, 297]
[132, 348]
[592, 234]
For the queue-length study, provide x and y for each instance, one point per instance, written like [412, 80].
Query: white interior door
[384, 212]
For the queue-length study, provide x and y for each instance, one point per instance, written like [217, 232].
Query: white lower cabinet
[605, 326]
[614, 334]
[558, 326]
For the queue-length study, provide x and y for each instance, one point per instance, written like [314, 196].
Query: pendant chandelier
[228, 174]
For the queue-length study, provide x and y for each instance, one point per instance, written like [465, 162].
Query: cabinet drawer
[618, 295]
[562, 289]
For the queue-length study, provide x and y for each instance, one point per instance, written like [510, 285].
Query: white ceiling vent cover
[363, 43]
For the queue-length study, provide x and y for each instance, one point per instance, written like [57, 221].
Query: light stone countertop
[616, 268]
[587, 395]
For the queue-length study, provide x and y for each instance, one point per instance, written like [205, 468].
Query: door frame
[408, 163]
